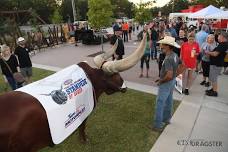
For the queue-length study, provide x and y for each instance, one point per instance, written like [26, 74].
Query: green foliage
[142, 12]
[44, 8]
[123, 8]
[4, 26]
[174, 6]
[154, 11]
[81, 10]
[216, 3]
[66, 10]
[100, 13]
[33, 20]
[57, 18]
[37, 75]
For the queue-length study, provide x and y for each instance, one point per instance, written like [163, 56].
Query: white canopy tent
[205, 12]
[219, 15]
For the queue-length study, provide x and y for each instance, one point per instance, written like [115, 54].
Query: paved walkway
[200, 124]
[198, 118]
[68, 54]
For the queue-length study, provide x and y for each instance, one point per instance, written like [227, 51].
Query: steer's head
[112, 81]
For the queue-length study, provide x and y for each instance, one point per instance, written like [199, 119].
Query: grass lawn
[37, 75]
[118, 124]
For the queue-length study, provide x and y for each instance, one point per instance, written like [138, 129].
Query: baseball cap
[20, 39]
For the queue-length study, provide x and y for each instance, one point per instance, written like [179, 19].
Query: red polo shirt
[125, 27]
[186, 49]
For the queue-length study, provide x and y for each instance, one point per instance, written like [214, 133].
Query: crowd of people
[12, 62]
[196, 45]
[176, 48]
[183, 50]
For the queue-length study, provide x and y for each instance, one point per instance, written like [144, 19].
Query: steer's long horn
[128, 62]
[100, 59]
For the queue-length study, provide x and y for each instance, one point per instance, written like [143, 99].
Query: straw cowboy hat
[169, 41]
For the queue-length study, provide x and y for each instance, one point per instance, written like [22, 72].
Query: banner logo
[75, 115]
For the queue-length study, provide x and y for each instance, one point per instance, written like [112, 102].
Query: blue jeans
[164, 103]
[154, 50]
[13, 84]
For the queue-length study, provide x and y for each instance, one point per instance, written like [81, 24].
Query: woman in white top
[9, 65]
[207, 46]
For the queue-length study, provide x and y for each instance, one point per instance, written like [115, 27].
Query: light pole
[173, 6]
[74, 10]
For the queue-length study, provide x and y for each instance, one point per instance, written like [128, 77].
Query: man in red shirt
[189, 52]
[125, 29]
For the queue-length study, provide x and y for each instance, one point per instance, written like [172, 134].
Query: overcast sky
[159, 2]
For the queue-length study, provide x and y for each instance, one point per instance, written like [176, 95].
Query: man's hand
[215, 53]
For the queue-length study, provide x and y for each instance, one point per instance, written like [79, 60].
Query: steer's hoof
[84, 140]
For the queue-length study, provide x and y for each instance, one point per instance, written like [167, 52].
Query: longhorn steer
[23, 121]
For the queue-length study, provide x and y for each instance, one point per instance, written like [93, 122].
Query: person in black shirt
[7, 61]
[120, 48]
[160, 60]
[115, 27]
[25, 63]
[180, 40]
[76, 35]
[216, 63]
[154, 39]
[161, 56]
[178, 24]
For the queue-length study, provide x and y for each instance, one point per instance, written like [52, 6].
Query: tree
[175, 6]
[142, 12]
[44, 8]
[56, 18]
[99, 15]
[155, 11]
[123, 8]
[81, 10]
[66, 10]
[216, 3]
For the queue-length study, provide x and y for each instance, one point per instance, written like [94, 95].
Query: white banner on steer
[67, 97]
